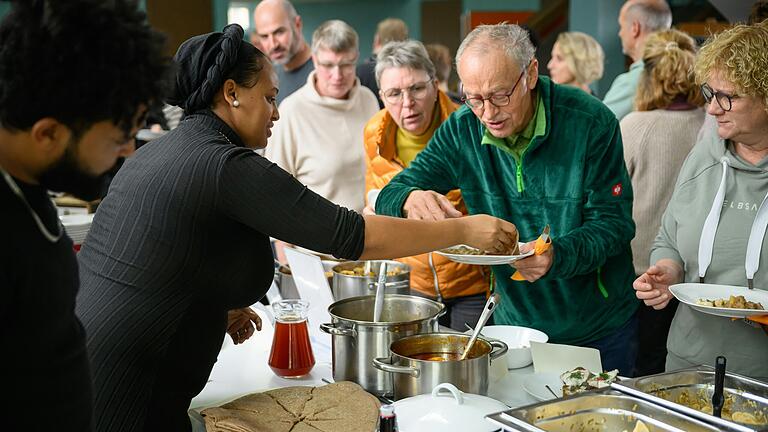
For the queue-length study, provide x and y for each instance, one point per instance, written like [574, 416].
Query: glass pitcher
[291, 355]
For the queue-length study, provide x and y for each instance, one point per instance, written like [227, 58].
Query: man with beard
[278, 27]
[76, 78]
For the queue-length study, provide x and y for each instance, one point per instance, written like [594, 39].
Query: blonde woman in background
[657, 137]
[712, 219]
[442, 59]
[577, 60]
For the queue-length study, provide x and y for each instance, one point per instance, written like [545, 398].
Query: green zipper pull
[520, 186]
[600, 285]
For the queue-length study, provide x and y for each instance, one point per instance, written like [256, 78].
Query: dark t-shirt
[290, 81]
[366, 73]
[46, 382]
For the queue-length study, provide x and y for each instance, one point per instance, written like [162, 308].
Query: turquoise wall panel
[599, 19]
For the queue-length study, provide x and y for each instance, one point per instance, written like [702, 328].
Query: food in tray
[580, 380]
[337, 407]
[702, 401]
[360, 271]
[639, 427]
[735, 302]
[465, 250]
[287, 270]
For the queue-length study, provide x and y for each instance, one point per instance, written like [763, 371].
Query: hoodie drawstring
[756, 234]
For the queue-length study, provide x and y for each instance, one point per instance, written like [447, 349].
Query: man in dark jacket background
[388, 30]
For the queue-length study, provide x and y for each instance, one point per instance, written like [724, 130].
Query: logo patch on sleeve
[616, 189]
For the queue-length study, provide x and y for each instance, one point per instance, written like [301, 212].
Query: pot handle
[384, 363]
[457, 394]
[400, 284]
[333, 330]
[502, 349]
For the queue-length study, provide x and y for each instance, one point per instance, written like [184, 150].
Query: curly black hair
[80, 62]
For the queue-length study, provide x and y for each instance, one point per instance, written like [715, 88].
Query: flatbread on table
[337, 407]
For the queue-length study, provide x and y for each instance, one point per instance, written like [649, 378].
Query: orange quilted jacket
[382, 164]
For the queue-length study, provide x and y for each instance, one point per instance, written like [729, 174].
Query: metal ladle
[490, 306]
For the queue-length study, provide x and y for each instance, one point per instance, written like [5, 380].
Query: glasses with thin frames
[498, 100]
[344, 67]
[724, 100]
[417, 91]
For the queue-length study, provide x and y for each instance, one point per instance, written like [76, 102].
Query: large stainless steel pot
[357, 340]
[413, 374]
[346, 285]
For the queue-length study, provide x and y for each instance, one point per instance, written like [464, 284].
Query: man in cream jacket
[319, 138]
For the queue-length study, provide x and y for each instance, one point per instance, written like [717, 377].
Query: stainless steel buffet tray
[743, 394]
[605, 410]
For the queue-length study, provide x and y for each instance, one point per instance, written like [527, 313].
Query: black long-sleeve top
[45, 383]
[182, 237]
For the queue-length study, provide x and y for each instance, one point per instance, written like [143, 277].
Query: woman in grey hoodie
[716, 209]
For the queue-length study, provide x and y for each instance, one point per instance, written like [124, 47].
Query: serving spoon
[490, 306]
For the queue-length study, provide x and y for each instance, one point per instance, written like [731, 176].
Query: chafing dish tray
[686, 389]
[597, 411]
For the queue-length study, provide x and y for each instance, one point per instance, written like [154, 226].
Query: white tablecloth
[243, 369]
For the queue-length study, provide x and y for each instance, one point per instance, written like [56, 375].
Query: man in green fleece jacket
[534, 153]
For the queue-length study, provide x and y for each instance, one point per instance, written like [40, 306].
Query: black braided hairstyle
[206, 61]
[80, 62]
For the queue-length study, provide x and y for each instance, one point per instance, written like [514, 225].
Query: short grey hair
[513, 39]
[407, 54]
[335, 35]
[652, 15]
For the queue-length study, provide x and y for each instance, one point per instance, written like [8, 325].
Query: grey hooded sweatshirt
[695, 337]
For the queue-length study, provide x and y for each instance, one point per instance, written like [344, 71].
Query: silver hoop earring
[236, 103]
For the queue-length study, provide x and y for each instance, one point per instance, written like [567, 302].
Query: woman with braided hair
[182, 238]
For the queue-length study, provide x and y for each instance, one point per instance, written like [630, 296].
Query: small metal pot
[414, 375]
[357, 340]
[345, 286]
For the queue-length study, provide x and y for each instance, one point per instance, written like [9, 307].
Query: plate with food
[468, 255]
[546, 386]
[722, 300]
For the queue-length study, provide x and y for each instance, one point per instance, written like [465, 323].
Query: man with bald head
[637, 20]
[278, 32]
[535, 153]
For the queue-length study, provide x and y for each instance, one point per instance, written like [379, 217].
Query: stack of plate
[77, 226]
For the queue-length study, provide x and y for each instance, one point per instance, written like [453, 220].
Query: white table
[243, 369]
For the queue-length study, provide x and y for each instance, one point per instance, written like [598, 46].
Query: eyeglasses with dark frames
[498, 100]
[724, 100]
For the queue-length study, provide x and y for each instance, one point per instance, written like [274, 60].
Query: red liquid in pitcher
[291, 354]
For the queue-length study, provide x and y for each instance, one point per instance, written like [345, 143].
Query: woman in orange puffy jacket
[413, 110]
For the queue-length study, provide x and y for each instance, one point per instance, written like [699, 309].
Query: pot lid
[447, 408]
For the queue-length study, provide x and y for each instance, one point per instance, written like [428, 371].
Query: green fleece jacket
[572, 178]
[694, 337]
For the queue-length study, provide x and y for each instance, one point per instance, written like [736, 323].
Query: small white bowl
[519, 341]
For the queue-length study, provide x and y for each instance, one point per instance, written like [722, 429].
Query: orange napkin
[542, 244]
[762, 319]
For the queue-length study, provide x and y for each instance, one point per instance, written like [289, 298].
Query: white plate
[689, 293]
[484, 259]
[535, 385]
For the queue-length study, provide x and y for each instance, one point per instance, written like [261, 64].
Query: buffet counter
[243, 369]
